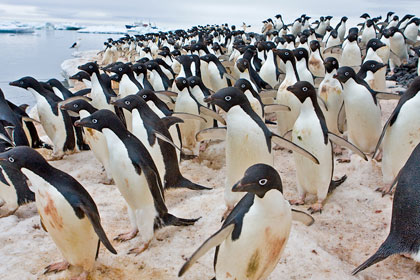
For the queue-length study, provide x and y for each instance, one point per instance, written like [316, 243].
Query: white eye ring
[120, 69]
[347, 73]
[90, 66]
[262, 182]
[305, 89]
[301, 52]
[76, 105]
[228, 98]
[21, 82]
[94, 121]
[333, 62]
[11, 159]
[144, 96]
[243, 86]
[374, 43]
[127, 102]
[184, 81]
[286, 53]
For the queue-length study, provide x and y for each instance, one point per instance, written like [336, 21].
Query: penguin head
[54, 83]
[352, 37]
[369, 23]
[147, 95]
[139, 68]
[227, 97]
[330, 63]
[344, 74]
[129, 102]
[244, 85]
[259, 179]
[181, 83]
[301, 53]
[115, 77]
[334, 33]
[80, 76]
[152, 65]
[208, 57]
[375, 44]
[120, 69]
[143, 60]
[303, 39]
[90, 67]
[286, 55]
[365, 16]
[25, 82]
[194, 81]
[99, 120]
[303, 90]
[24, 157]
[372, 65]
[389, 32]
[77, 105]
[242, 64]
[354, 30]
[344, 19]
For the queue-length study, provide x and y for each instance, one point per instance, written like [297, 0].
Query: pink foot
[316, 207]
[57, 267]
[343, 160]
[137, 251]
[297, 201]
[83, 276]
[126, 236]
[385, 190]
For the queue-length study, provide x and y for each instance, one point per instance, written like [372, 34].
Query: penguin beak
[209, 100]
[335, 76]
[239, 187]
[78, 123]
[15, 83]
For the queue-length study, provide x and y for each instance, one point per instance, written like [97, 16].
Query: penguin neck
[291, 72]
[329, 75]
[271, 203]
[58, 93]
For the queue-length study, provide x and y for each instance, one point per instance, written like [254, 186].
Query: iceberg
[16, 27]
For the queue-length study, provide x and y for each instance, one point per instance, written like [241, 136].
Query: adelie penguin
[56, 123]
[248, 139]
[404, 234]
[252, 238]
[136, 177]
[68, 213]
[150, 129]
[310, 132]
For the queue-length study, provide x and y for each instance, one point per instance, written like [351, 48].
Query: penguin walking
[341, 28]
[56, 123]
[252, 238]
[404, 232]
[311, 133]
[68, 213]
[400, 135]
[245, 135]
[136, 177]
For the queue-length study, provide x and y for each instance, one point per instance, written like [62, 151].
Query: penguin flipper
[171, 120]
[268, 93]
[292, 146]
[273, 108]
[302, 217]
[212, 114]
[387, 95]
[95, 220]
[213, 241]
[166, 139]
[344, 143]
[82, 92]
[320, 100]
[214, 133]
[188, 116]
[7, 139]
[341, 119]
[28, 119]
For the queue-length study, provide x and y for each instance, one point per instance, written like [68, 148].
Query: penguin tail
[185, 183]
[335, 183]
[171, 220]
[387, 249]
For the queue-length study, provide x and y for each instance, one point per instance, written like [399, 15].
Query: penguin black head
[303, 90]
[25, 82]
[396, 18]
[344, 19]
[115, 77]
[151, 65]
[352, 37]
[227, 97]
[99, 120]
[143, 60]
[330, 63]
[286, 55]
[78, 105]
[344, 74]
[181, 83]
[130, 102]
[301, 53]
[365, 16]
[259, 179]
[328, 17]
[80, 76]
[375, 44]
[303, 39]
[90, 67]
[389, 32]
[242, 64]
[139, 68]
[354, 30]
[23, 157]
[372, 65]
[208, 57]
[369, 23]
[244, 85]
[194, 81]
[120, 69]
[147, 95]
[334, 33]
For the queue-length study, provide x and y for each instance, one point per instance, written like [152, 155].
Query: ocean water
[39, 55]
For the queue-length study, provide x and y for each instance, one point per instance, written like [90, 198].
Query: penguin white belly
[140, 132]
[351, 55]
[127, 87]
[199, 96]
[156, 81]
[255, 104]
[205, 74]
[8, 194]
[316, 64]
[98, 97]
[268, 72]
[399, 48]
[74, 237]
[400, 139]
[363, 117]
[368, 33]
[307, 133]
[185, 104]
[286, 120]
[384, 52]
[245, 145]
[304, 73]
[330, 91]
[217, 82]
[264, 235]
[97, 143]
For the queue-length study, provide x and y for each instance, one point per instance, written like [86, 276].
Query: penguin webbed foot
[83, 276]
[122, 237]
[107, 181]
[138, 250]
[171, 220]
[316, 207]
[297, 201]
[385, 190]
[57, 267]
[343, 160]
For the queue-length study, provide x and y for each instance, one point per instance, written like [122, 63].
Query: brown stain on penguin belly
[274, 247]
[54, 219]
[91, 133]
[253, 265]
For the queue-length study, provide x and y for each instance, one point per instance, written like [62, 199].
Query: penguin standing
[373, 73]
[56, 123]
[252, 96]
[68, 212]
[252, 238]
[136, 177]
[369, 32]
[217, 72]
[405, 231]
[398, 47]
[248, 139]
[269, 71]
[302, 57]
[351, 55]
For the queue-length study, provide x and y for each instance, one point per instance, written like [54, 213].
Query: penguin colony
[158, 99]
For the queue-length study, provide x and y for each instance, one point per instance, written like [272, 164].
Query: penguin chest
[304, 73]
[8, 192]
[268, 72]
[264, 235]
[73, 236]
[330, 91]
[255, 104]
[189, 128]
[127, 87]
[217, 81]
[307, 133]
[285, 120]
[316, 64]
[53, 124]
[156, 81]
[351, 55]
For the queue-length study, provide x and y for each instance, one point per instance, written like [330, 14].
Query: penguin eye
[21, 82]
[90, 66]
[301, 52]
[346, 74]
[11, 159]
[243, 86]
[333, 62]
[184, 81]
[127, 102]
[373, 65]
[94, 120]
[120, 69]
[228, 98]
[262, 182]
[304, 89]
[76, 105]
[374, 43]
[286, 53]
[144, 96]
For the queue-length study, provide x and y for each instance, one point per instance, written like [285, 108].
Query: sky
[179, 13]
